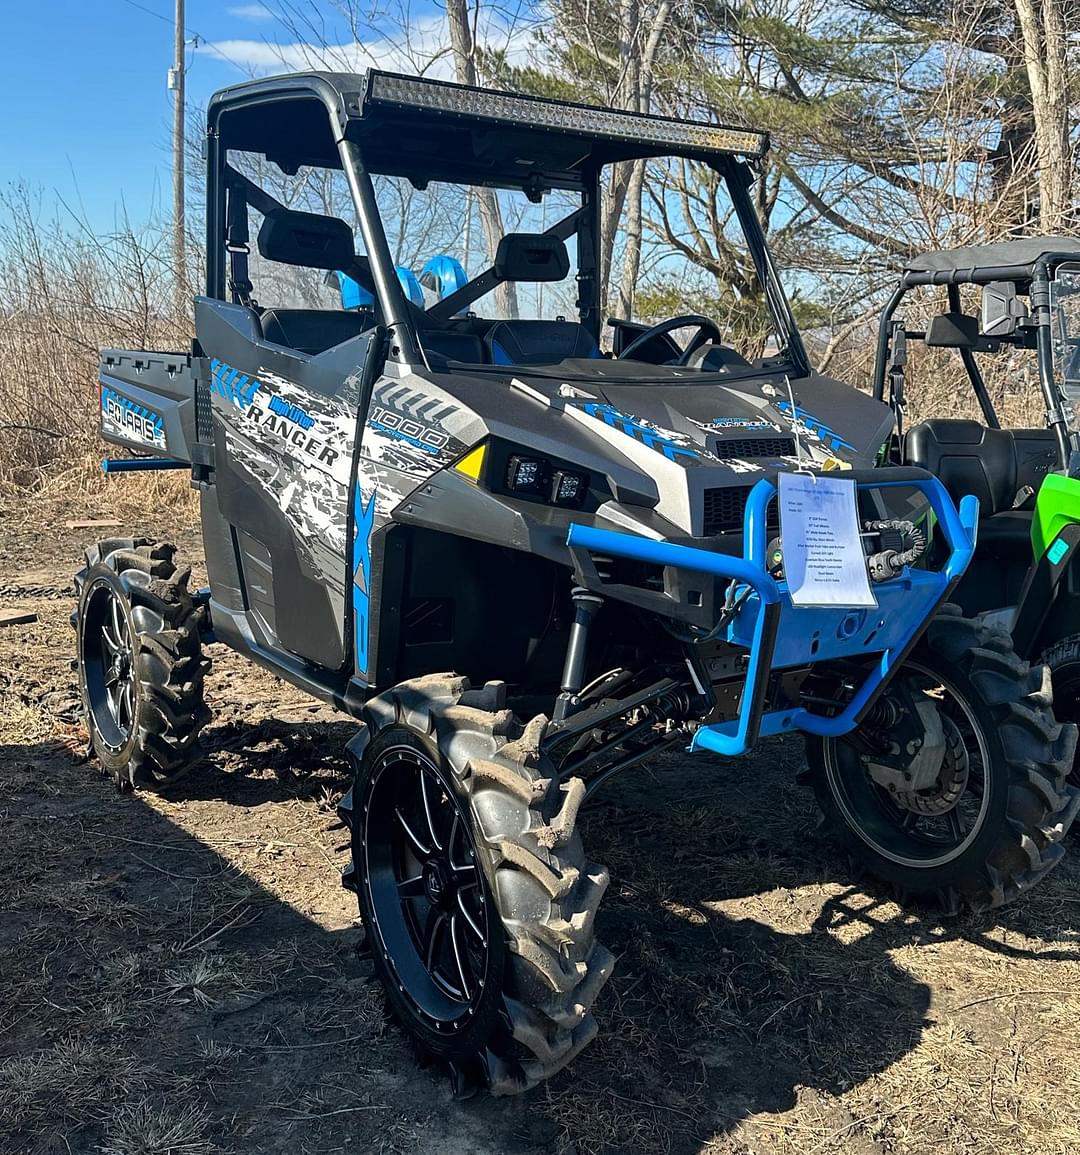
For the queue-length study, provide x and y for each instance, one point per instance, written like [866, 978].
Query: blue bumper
[778, 635]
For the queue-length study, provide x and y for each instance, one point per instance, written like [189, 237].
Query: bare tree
[1042, 25]
[463, 44]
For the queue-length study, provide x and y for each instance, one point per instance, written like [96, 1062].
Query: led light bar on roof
[535, 112]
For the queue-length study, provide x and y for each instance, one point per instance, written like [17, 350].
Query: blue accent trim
[805, 636]
[231, 385]
[828, 437]
[140, 464]
[397, 435]
[499, 355]
[639, 431]
[1057, 551]
[364, 523]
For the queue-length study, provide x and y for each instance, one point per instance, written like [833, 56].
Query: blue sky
[86, 111]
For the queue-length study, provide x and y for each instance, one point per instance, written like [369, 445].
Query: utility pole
[176, 84]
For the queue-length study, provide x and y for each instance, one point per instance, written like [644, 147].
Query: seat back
[538, 342]
[967, 458]
[313, 331]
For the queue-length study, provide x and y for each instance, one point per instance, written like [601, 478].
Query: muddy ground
[182, 975]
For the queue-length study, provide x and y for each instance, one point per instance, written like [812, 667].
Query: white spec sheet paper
[824, 563]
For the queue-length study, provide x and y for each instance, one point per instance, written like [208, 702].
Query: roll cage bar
[347, 111]
[1035, 277]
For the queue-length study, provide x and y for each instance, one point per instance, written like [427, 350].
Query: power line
[196, 38]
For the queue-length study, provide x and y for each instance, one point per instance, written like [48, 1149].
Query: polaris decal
[124, 418]
[293, 432]
[806, 421]
[400, 428]
[406, 430]
[672, 445]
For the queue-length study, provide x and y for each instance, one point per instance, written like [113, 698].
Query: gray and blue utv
[524, 564]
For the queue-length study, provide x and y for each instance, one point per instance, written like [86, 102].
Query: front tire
[472, 883]
[140, 663]
[994, 825]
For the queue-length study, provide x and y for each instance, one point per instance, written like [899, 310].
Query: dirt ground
[182, 976]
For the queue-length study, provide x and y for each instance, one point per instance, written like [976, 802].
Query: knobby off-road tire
[1063, 658]
[533, 973]
[1019, 805]
[141, 667]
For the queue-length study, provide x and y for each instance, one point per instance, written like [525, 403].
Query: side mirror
[1002, 311]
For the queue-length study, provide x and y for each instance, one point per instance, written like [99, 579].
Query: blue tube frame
[140, 464]
[917, 592]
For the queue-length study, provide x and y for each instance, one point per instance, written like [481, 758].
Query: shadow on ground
[156, 993]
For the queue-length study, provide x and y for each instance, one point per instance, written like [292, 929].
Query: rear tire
[447, 778]
[1007, 825]
[1063, 658]
[140, 663]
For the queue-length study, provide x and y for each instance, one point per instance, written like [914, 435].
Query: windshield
[518, 276]
[1065, 335]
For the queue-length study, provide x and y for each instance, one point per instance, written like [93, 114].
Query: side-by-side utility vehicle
[524, 565]
[1025, 332]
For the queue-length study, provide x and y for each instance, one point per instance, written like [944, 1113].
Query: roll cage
[1028, 264]
[422, 130]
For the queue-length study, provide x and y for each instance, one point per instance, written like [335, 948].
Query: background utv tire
[1024, 806]
[140, 663]
[1063, 658]
[506, 999]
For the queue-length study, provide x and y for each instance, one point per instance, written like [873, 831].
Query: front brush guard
[779, 635]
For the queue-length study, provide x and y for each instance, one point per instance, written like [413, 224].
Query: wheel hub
[438, 883]
[423, 882]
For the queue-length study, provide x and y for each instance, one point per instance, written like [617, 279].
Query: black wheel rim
[426, 891]
[898, 833]
[108, 661]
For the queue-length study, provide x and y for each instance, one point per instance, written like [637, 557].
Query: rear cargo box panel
[148, 402]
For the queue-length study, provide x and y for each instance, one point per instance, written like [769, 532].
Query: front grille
[724, 509]
[746, 447]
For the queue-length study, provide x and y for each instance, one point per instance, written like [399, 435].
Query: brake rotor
[951, 782]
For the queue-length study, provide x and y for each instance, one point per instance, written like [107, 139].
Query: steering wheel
[706, 326]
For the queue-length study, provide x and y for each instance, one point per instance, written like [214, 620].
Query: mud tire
[1030, 753]
[1063, 658]
[163, 631]
[546, 966]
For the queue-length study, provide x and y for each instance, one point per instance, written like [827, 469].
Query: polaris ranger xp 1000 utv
[524, 565]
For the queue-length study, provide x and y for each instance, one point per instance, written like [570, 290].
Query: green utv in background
[1023, 577]
[524, 565]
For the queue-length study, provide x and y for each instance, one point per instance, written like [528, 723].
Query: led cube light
[568, 488]
[527, 476]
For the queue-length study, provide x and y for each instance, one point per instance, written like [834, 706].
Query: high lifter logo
[273, 414]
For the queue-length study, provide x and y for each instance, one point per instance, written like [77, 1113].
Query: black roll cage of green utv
[1049, 597]
[1025, 262]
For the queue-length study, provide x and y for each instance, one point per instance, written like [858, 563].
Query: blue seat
[538, 342]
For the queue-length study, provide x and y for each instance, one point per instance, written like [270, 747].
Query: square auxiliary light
[568, 488]
[561, 116]
[527, 476]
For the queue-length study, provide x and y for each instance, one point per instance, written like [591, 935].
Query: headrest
[531, 257]
[307, 239]
[953, 331]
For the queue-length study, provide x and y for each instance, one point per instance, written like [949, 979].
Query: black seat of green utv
[968, 457]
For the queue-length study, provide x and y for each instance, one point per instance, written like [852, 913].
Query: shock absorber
[586, 606]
